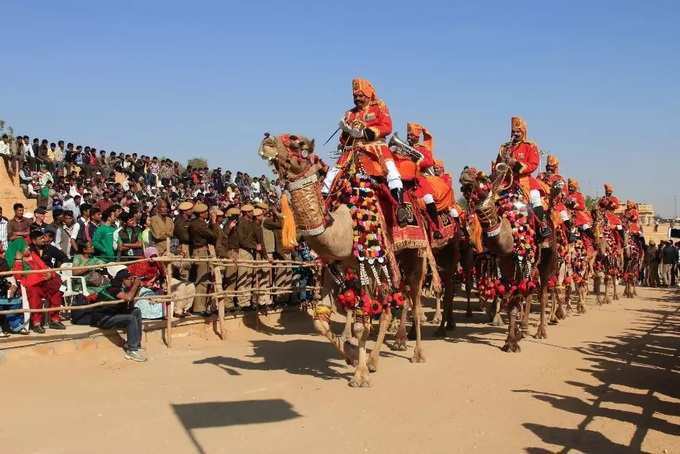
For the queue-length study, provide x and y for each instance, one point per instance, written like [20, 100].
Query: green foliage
[197, 163]
[462, 202]
[590, 202]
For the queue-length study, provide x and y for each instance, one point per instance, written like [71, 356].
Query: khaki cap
[247, 208]
[258, 212]
[218, 212]
[233, 211]
[200, 208]
[262, 205]
[184, 206]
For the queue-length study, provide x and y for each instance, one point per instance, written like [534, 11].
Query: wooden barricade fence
[218, 294]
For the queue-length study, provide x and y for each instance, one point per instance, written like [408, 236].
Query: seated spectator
[10, 298]
[120, 316]
[94, 279]
[39, 286]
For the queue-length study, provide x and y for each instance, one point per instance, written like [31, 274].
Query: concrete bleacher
[11, 193]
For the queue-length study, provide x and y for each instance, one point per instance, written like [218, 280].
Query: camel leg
[580, 306]
[400, 337]
[437, 319]
[552, 319]
[361, 373]
[511, 344]
[323, 327]
[541, 331]
[560, 313]
[496, 319]
[417, 278]
[614, 287]
[347, 332]
[525, 312]
[597, 287]
[607, 280]
[468, 294]
[374, 357]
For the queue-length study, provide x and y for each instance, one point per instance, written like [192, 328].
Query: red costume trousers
[45, 290]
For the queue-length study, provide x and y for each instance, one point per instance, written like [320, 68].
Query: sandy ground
[604, 382]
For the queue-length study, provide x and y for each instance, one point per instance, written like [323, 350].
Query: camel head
[291, 156]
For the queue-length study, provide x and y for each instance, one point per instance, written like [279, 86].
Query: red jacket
[34, 262]
[581, 216]
[528, 157]
[609, 204]
[376, 118]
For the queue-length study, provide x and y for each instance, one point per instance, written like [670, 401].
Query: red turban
[364, 87]
[415, 129]
[553, 161]
[573, 183]
[608, 187]
[517, 123]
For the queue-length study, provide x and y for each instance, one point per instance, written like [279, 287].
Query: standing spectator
[162, 227]
[669, 256]
[19, 226]
[129, 238]
[39, 219]
[4, 223]
[68, 234]
[103, 236]
[6, 155]
[181, 232]
[651, 265]
[250, 247]
[202, 234]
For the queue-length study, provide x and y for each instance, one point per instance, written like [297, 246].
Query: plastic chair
[67, 279]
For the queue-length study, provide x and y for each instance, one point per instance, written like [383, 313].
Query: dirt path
[604, 382]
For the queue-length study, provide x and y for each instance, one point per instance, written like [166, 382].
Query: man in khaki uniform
[227, 247]
[282, 276]
[250, 246]
[202, 233]
[181, 232]
[162, 227]
[264, 274]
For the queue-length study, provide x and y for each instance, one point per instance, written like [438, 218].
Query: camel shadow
[297, 357]
[222, 414]
[637, 374]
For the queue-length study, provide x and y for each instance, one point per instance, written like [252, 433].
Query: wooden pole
[219, 299]
[170, 305]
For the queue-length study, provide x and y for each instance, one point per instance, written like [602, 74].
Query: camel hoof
[541, 332]
[372, 365]
[511, 347]
[497, 320]
[581, 309]
[351, 354]
[437, 319]
[359, 383]
[553, 321]
[560, 314]
[399, 344]
[441, 332]
[418, 357]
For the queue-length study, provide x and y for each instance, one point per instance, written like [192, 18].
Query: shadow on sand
[639, 369]
[222, 414]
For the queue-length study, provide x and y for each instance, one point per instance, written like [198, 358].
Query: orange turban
[608, 187]
[573, 183]
[553, 161]
[517, 123]
[415, 129]
[363, 86]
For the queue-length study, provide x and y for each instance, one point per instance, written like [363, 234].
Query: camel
[499, 240]
[298, 166]
[579, 269]
[632, 263]
[608, 259]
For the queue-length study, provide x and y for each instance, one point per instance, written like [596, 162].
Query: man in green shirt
[103, 237]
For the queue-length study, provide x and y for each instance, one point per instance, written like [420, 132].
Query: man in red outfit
[609, 203]
[362, 141]
[577, 204]
[522, 156]
[550, 177]
[39, 286]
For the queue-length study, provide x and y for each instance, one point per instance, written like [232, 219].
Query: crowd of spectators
[661, 264]
[97, 207]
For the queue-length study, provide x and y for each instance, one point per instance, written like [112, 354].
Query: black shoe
[38, 329]
[56, 325]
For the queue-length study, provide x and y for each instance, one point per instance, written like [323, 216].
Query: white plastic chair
[67, 279]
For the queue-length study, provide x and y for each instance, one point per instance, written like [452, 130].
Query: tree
[462, 202]
[590, 202]
[197, 163]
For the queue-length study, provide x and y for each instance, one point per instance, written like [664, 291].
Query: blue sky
[597, 82]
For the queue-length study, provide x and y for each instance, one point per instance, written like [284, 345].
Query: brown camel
[499, 241]
[609, 257]
[298, 166]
